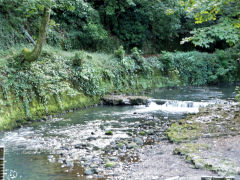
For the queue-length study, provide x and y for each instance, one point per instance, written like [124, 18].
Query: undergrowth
[60, 72]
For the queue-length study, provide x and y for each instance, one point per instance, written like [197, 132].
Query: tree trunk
[34, 55]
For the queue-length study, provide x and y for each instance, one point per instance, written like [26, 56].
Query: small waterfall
[173, 106]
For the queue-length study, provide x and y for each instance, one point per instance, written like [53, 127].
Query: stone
[110, 164]
[91, 138]
[138, 141]
[113, 158]
[118, 100]
[80, 146]
[109, 133]
[95, 170]
[173, 178]
[69, 163]
[132, 145]
[88, 172]
[206, 178]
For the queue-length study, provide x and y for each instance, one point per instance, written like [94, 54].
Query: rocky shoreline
[156, 148]
[210, 140]
[112, 160]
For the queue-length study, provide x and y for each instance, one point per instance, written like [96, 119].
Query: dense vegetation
[185, 37]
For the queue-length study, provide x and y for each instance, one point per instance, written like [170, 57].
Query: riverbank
[116, 142]
[205, 144]
[61, 81]
[210, 140]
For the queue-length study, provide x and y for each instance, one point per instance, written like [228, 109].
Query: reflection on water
[27, 148]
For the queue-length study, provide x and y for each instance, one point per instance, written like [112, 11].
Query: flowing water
[31, 150]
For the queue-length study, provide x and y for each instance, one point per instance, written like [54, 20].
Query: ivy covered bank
[61, 80]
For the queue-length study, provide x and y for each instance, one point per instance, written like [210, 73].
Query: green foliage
[119, 53]
[237, 91]
[79, 59]
[221, 20]
[196, 68]
[141, 23]
[8, 35]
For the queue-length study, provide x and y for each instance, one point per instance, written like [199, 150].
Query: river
[50, 150]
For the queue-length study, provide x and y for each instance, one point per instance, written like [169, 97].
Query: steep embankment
[60, 81]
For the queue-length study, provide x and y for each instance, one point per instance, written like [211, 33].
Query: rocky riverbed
[138, 142]
[210, 140]
[209, 144]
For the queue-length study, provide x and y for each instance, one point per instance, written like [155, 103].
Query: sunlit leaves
[225, 18]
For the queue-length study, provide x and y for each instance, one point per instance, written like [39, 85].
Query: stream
[63, 148]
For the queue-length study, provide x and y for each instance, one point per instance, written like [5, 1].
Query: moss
[15, 111]
[142, 133]
[109, 133]
[110, 164]
[15, 115]
[120, 145]
[191, 148]
[195, 153]
[180, 132]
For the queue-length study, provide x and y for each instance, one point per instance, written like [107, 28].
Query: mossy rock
[109, 133]
[142, 133]
[110, 164]
[180, 132]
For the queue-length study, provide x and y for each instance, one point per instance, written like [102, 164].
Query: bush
[79, 59]
[196, 68]
[119, 53]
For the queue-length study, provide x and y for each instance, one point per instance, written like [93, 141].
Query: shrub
[79, 59]
[119, 53]
[196, 68]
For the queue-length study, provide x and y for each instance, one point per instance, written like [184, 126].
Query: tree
[219, 19]
[36, 52]
[20, 11]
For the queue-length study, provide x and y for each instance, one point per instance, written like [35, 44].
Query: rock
[173, 178]
[159, 101]
[110, 164]
[100, 176]
[114, 158]
[80, 146]
[96, 148]
[22, 146]
[60, 160]
[132, 145]
[118, 100]
[199, 165]
[88, 172]
[51, 159]
[138, 141]
[64, 148]
[206, 178]
[142, 133]
[95, 170]
[109, 133]
[91, 138]
[154, 178]
[69, 163]
[150, 132]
